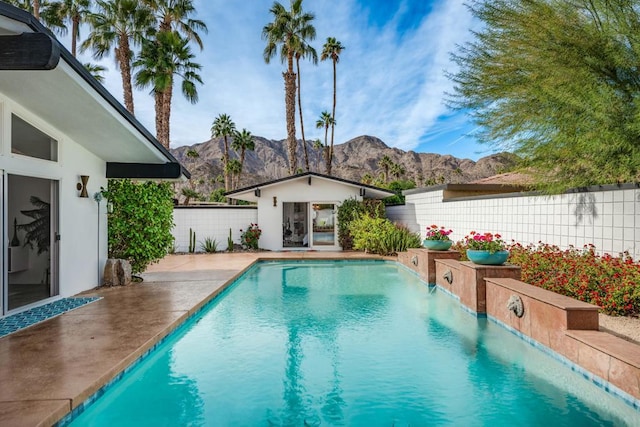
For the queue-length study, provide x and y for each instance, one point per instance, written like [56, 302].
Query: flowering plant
[484, 242]
[437, 233]
[249, 238]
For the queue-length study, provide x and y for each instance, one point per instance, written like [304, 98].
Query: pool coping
[61, 412]
[18, 407]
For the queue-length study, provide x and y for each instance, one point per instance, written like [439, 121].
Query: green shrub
[381, 236]
[350, 210]
[249, 238]
[141, 221]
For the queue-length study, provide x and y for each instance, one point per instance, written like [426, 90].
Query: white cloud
[391, 83]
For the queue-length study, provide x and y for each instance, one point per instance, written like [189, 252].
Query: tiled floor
[48, 369]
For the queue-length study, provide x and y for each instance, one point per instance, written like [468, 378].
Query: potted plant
[437, 238]
[486, 249]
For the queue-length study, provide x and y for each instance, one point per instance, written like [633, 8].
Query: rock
[117, 272]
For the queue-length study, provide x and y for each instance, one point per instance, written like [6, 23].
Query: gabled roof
[41, 75]
[248, 193]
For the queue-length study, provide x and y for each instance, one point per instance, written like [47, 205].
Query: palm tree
[175, 15]
[385, 164]
[397, 170]
[367, 178]
[304, 50]
[45, 11]
[289, 30]
[317, 146]
[224, 127]
[234, 169]
[332, 49]
[242, 141]
[95, 70]
[76, 11]
[325, 121]
[159, 60]
[119, 24]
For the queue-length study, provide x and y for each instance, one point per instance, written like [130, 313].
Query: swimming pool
[348, 343]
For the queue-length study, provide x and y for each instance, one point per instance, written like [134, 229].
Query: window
[29, 141]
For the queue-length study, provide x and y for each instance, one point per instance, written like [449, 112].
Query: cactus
[230, 242]
[192, 241]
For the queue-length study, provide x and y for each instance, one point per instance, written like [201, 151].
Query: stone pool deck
[50, 368]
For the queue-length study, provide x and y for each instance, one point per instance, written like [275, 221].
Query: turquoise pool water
[348, 343]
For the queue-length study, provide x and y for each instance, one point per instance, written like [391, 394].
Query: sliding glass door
[31, 236]
[324, 224]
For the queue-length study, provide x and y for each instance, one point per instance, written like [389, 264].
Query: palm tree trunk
[36, 9]
[327, 159]
[158, 104]
[290, 114]
[123, 53]
[225, 164]
[75, 23]
[333, 116]
[166, 116]
[304, 141]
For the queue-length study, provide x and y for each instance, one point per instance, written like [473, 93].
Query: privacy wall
[211, 221]
[606, 216]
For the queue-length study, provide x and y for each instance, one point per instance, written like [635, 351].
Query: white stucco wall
[270, 217]
[80, 257]
[608, 218]
[211, 221]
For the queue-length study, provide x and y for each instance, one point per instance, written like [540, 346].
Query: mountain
[352, 160]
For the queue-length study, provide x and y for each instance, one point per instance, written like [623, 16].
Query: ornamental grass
[612, 283]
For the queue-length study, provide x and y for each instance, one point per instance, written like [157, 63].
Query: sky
[391, 79]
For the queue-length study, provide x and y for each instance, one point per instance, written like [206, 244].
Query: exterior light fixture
[256, 192]
[82, 186]
[362, 192]
[275, 201]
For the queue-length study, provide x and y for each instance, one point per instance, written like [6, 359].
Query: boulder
[117, 272]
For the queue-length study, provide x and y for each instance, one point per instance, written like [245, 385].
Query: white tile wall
[608, 219]
[211, 221]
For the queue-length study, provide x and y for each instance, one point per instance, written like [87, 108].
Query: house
[300, 211]
[61, 136]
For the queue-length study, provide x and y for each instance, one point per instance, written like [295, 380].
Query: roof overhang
[71, 99]
[251, 194]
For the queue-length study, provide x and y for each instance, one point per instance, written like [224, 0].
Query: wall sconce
[275, 201]
[82, 186]
[256, 192]
[362, 192]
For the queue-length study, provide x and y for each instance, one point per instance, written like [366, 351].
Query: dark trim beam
[145, 170]
[28, 51]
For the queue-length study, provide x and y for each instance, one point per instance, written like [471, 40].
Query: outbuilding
[300, 211]
[62, 134]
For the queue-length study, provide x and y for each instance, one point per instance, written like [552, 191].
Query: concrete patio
[48, 369]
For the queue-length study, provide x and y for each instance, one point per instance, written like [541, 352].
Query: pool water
[348, 343]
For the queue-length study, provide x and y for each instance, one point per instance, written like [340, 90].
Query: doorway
[295, 225]
[324, 224]
[31, 227]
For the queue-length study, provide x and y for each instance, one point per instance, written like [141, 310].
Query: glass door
[324, 224]
[32, 237]
[295, 225]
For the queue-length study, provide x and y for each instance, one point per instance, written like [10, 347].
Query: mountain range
[352, 160]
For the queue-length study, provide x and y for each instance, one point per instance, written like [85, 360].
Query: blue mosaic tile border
[15, 322]
[69, 417]
[599, 382]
